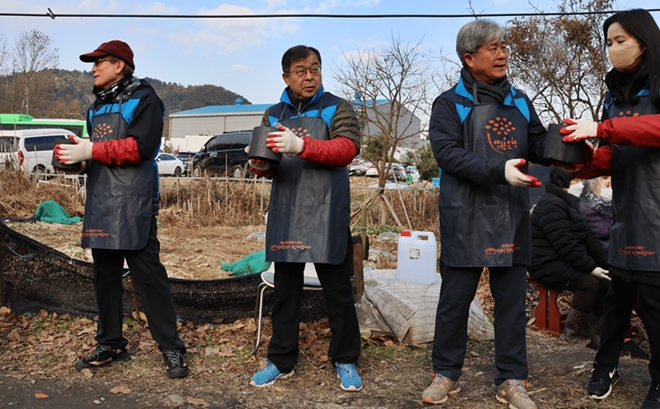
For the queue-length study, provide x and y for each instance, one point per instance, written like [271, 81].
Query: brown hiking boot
[439, 390]
[514, 392]
[575, 327]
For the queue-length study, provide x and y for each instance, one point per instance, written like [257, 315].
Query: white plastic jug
[417, 257]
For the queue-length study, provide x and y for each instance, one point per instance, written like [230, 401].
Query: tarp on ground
[410, 308]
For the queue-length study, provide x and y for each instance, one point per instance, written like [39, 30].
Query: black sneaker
[603, 378]
[102, 356]
[176, 367]
[635, 350]
[652, 400]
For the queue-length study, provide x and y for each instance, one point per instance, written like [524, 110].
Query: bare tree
[560, 61]
[4, 55]
[33, 52]
[390, 88]
[390, 91]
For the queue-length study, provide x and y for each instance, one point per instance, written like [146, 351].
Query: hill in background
[56, 93]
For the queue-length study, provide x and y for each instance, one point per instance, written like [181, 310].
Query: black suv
[223, 155]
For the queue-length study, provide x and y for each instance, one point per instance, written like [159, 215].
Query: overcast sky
[243, 55]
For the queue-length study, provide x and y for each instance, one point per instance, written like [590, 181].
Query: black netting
[39, 277]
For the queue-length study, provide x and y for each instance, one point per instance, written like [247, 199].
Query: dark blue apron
[118, 208]
[309, 210]
[635, 233]
[487, 225]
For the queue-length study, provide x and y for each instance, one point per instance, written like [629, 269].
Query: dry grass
[189, 202]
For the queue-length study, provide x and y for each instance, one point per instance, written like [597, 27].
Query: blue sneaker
[268, 375]
[349, 379]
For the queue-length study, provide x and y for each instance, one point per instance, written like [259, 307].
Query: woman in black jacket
[567, 255]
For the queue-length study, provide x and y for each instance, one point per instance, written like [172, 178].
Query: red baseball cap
[115, 48]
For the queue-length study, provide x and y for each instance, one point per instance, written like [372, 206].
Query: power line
[52, 15]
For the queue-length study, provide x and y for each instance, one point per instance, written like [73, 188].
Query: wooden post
[2, 287]
[358, 269]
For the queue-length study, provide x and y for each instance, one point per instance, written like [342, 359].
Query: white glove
[516, 177]
[577, 131]
[601, 273]
[259, 164]
[285, 141]
[79, 152]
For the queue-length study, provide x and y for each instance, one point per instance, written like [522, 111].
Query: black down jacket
[562, 242]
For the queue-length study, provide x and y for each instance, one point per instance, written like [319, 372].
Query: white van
[34, 151]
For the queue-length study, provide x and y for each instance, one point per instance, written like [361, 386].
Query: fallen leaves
[197, 402]
[121, 389]
[40, 395]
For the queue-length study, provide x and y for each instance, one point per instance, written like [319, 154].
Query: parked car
[413, 172]
[169, 164]
[186, 158]
[371, 169]
[224, 154]
[33, 148]
[357, 167]
[397, 173]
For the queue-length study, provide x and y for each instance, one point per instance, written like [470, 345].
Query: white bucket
[417, 257]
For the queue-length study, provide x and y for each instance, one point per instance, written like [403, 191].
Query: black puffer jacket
[561, 237]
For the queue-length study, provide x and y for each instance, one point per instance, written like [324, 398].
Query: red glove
[578, 131]
[261, 167]
[515, 177]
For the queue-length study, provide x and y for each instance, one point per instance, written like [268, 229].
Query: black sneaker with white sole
[603, 378]
[176, 367]
[102, 356]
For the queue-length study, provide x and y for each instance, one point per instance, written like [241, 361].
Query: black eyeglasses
[100, 60]
[301, 72]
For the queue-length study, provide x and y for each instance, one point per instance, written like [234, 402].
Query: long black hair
[640, 24]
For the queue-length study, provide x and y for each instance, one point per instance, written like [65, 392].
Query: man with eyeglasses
[482, 132]
[126, 123]
[309, 215]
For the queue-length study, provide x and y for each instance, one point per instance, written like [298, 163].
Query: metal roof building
[216, 119]
[189, 130]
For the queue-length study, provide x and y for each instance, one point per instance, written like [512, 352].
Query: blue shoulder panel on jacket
[463, 111]
[520, 103]
[462, 91]
[328, 101]
[127, 109]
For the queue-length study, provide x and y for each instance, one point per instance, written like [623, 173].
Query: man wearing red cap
[126, 123]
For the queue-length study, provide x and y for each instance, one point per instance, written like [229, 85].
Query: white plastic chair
[311, 282]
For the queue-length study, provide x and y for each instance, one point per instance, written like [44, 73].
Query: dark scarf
[595, 202]
[112, 92]
[486, 93]
[625, 87]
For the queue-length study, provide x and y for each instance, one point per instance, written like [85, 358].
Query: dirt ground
[188, 253]
[37, 352]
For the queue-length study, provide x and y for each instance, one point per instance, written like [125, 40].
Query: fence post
[2, 286]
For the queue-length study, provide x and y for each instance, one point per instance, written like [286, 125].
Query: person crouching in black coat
[567, 255]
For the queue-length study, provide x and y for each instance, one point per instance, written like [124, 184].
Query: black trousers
[588, 291]
[152, 285]
[617, 308]
[459, 285]
[336, 282]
